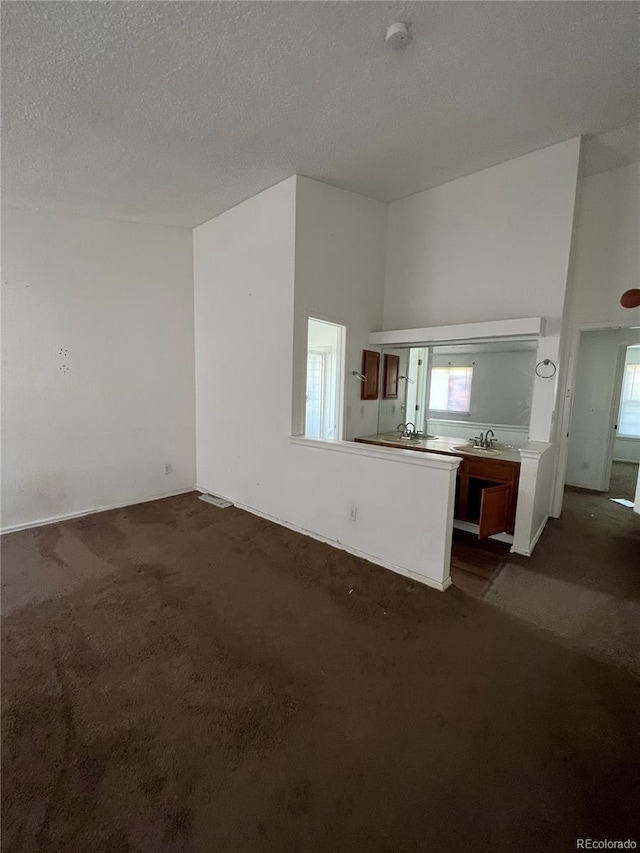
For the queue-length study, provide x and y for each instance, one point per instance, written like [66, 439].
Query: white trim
[535, 449]
[521, 328]
[339, 370]
[54, 519]
[565, 403]
[618, 413]
[299, 377]
[470, 527]
[334, 543]
[614, 417]
[374, 451]
[465, 423]
[527, 552]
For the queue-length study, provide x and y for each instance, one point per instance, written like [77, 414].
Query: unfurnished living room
[320, 426]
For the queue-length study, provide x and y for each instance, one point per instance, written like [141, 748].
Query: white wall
[493, 245]
[606, 263]
[490, 246]
[339, 276]
[322, 335]
[607, 253]
[594, 400]
[534, 489]
[626, 450]
[244, 283]
[98, 388]
[248, 265]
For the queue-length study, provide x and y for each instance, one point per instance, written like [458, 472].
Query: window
[451, 389]
[629, 417]
[316, 372]
[325, 370]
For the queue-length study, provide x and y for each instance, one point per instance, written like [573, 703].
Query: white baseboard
[400, 570]
[54, 519]
[527, 552]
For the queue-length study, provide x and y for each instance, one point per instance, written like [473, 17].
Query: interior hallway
[183, 678]
[475, 564]
[583, 580]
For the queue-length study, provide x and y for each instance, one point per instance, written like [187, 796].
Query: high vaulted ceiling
[172, 112]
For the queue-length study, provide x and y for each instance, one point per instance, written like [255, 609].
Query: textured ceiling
[611, 150]
[172, 112]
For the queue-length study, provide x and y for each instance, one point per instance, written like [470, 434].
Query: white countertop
[445, 444]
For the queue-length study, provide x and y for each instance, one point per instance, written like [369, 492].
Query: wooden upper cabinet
[391, 376]
[370, 371]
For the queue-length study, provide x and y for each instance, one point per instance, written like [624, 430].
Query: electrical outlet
[168, 467]
[353, 513]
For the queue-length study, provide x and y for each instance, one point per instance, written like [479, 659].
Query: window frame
[449, 368]
[635, 368]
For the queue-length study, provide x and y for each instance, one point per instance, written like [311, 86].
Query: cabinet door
[370, 371]
[494, 510]
[391, 375]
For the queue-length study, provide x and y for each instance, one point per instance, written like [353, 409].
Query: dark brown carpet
[595, 543]
[223, 684]
[624, 477]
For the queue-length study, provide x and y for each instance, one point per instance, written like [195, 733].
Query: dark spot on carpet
[178, 825]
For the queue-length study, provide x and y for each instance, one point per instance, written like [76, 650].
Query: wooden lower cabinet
[486, 490]
[486, 495]
[494, 510]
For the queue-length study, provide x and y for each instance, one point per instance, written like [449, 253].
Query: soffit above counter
[526, 328]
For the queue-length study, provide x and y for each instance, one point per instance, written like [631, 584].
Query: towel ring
[545, 373]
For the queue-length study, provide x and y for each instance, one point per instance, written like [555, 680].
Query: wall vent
[216, 500]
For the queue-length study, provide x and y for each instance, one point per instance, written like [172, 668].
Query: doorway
[603, 414]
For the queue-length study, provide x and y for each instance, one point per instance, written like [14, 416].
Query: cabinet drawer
[492, 469]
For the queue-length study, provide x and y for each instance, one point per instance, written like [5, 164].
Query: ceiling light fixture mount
[397, 35]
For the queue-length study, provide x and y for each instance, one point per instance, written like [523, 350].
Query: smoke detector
[397, 35]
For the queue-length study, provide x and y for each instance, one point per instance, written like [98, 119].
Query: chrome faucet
[407, 430]
[484, 441]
